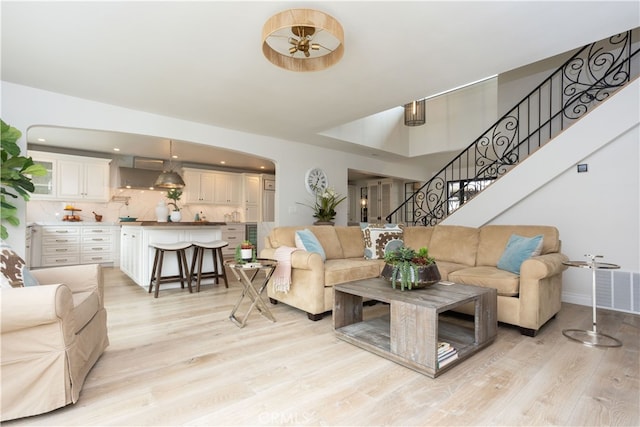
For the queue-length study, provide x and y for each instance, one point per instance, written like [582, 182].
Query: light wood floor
[178, 360]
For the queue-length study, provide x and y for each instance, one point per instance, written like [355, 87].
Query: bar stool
[198, 255]
[156, 273]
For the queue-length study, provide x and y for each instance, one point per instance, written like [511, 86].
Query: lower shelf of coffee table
[374, 335]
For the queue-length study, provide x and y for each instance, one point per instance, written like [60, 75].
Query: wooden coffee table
[410, 333]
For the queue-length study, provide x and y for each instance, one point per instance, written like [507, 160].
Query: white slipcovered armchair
[52, 335]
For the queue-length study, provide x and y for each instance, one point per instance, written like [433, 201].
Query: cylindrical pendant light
[414, 113]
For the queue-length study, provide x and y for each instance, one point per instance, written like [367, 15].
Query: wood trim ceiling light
[302, 40]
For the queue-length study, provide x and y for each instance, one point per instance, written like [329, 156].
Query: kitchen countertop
[72, 223]
[172, 224]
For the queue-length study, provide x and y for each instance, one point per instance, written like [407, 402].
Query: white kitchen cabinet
[199, 186]
[228, 189]
[75, 244]
[60, 246]
[136, 256]
[98, 245]
[131, 252]
[44, 186]
[234, 234]
[72, 178]
[209, 187]
[251, 199]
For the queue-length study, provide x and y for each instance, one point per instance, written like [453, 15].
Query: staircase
[588, 78]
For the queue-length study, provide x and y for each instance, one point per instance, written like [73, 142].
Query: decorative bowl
[128, 219]
[427, 276]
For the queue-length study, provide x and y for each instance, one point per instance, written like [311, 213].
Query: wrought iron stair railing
[588, 78]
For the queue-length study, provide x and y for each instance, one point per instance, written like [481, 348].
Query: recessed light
[116, 149]
[222, 162]
[261, 167]
[174, 157]
[42, 140]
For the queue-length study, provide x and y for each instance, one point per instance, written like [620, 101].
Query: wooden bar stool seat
[218, 262]
[183, 268]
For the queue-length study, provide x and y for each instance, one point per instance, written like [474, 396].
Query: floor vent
[618, 290]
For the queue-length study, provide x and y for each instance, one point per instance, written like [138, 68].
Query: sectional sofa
[463, 254]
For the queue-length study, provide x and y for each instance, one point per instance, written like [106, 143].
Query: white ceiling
[202, 60]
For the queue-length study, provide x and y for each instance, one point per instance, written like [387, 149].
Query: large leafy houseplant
[326, 201]
[16, 173]
[409, 268]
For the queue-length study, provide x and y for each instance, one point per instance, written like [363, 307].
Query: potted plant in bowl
[410, 268]
[174, 194]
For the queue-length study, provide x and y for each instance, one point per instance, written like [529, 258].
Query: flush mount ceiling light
[414, 114]
[169, 179]
[302, 40]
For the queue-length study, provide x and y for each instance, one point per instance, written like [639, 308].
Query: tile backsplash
[140, 204]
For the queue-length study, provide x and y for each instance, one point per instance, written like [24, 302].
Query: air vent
[146, 163]
[618, 290]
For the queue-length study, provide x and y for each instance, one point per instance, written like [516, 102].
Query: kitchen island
[136, 256]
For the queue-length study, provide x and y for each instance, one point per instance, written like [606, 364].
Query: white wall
[23, 107]
[456, 119]
[453, 121]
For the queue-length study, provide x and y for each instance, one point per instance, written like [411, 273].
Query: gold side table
[592, 338]
[245, 274]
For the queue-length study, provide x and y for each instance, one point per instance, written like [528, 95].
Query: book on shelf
[451, 351]
[446, 354]
[446, 361]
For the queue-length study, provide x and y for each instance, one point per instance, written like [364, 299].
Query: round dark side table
[592, 338]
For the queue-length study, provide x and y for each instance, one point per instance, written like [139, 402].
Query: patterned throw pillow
[14, 270]
[380, 238]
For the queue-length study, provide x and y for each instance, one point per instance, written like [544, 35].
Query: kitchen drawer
[95, 248]
[62, 259]
[234, 240]
[96, 231]
[61, 231]
[96, 238]
[59, 249]
[96, 258]
[233, 228]
[234, 234]
[61, 239]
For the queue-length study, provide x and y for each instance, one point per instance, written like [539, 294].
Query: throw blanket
[282, 274]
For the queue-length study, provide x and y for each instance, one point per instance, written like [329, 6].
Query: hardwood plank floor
[178, 360]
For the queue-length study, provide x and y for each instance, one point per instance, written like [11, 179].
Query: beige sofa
[463, 255]
[52, 335]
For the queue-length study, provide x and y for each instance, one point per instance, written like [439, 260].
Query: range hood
[137, 178]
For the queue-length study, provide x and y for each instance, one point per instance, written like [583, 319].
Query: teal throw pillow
[519, 249]
[308, 241]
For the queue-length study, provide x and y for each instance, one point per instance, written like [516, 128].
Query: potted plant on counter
[174, 194]
[412, 269]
